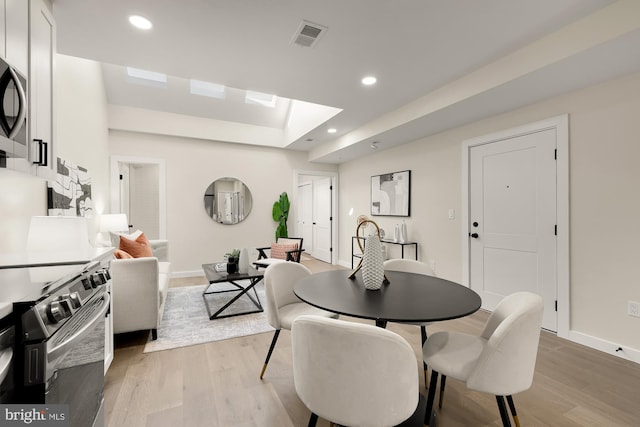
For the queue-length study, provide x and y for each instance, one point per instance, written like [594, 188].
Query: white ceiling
[414, 47]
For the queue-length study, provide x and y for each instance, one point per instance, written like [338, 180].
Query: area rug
[186, 322]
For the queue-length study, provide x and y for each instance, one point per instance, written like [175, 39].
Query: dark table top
[214, 276]
[408, 297]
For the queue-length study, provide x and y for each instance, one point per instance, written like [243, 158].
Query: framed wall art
[70, 193]
[391, 194]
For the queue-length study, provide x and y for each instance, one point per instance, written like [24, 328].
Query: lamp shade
[113, 222]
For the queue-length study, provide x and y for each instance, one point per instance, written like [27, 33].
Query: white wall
[191, 166]
[604, 202]
[81, 137]
[81, 111]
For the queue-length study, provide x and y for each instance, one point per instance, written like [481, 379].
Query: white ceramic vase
[372, 263]
[243, 262]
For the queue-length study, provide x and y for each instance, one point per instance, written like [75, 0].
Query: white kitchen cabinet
[41, 89]
[16, 34]
[3, 29]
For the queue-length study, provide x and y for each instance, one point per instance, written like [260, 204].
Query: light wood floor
[217, 384]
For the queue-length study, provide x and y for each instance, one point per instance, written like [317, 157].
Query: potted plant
[232, 260]
[280, 213]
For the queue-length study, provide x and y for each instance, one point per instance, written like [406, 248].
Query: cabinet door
[41, 57]
[3, 29]
[17, 33]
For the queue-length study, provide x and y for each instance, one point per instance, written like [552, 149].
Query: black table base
[240, 290]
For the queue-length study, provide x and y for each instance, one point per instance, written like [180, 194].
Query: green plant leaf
[280, 214]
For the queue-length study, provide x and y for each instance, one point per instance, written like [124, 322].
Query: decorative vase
[396, 234]
[243, 262]
[232, 265]
[403, 232]
[372, 263]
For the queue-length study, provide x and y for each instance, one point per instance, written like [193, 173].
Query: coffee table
[218, 277]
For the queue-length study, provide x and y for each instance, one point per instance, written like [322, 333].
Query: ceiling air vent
[308, 34]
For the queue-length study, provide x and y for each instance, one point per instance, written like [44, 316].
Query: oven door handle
[5, 362]
[81, 333]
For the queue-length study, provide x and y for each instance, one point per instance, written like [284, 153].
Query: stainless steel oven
[7, 341]
[58, 356]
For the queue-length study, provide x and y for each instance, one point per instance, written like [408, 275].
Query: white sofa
[139, 290]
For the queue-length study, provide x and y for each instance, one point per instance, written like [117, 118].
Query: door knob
[474, 235]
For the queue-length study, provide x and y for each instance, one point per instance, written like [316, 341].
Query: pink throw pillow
[120, 254]
[138, 248]
[279, 250]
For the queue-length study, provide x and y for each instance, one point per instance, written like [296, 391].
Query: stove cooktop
[32, 283]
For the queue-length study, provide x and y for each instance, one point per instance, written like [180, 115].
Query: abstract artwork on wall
[70, 193]
[391, 194]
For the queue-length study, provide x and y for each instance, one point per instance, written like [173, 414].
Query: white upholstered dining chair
[282, 305]
[500, 361]
[417, 267]
[354, 374]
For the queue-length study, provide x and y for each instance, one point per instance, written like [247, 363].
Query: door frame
[162, 187]
[334, 205]
[561, 126]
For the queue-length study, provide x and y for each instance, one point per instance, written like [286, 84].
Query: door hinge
[331, 187]
[555, 230]
[330, 249]
[330, 218]
[120, 177]
[555, 154]
[556, 305]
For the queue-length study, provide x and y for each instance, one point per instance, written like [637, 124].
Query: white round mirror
[227, 200]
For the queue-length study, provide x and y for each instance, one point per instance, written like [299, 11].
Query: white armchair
[139, 290]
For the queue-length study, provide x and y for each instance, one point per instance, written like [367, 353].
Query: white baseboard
[609, 347]
[181, 274]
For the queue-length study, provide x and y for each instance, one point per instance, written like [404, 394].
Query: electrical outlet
[634, 309]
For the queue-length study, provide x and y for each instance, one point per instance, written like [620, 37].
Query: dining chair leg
[430, 397]
[503, 411]
[512, 407]
[312, 420]
[271, 347]
[423, 333]
[443, 381]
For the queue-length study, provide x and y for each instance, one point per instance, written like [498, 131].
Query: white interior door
[322, 219]
[123, 168]
[512, 220]
[305, 214]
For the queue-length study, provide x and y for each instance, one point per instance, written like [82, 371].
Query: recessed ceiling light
[332, 130]
[369, 80]
[140, 22]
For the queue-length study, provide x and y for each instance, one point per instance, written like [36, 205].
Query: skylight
[260, 98]
[212, 90]
[144, 77]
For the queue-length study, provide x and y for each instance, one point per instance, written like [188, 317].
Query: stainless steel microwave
[13, 112]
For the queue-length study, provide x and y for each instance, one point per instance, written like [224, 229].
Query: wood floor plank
[217, 384]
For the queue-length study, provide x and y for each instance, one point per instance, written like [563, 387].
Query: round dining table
[407, 298]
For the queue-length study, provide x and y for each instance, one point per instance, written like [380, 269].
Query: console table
[355, 254]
